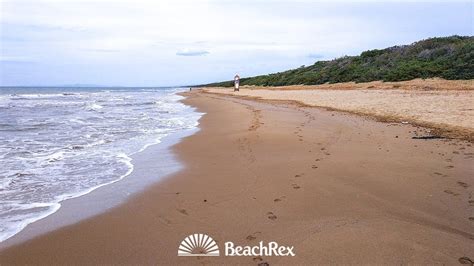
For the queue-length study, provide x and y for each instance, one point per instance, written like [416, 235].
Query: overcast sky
[169, 42]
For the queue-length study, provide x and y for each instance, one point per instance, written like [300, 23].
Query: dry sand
[337, 187]
[414, 84]
[445, 105]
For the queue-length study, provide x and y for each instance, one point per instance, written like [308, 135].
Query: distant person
[236, 82]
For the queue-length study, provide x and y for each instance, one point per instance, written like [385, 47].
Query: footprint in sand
[465, 260]
[164, 220]
[437, 173]
[314, 167]
[295, 186]
[451, 192]
[263, 264]
[257, 259]
[462, 184]
[183, 211]
[253, 236]
[471, 202]
[450, 166]
[271, 216]
[279, 199]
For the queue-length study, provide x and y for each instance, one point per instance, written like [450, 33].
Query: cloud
[15, 60]
[190, 52]
[102, 50]
[121, 41]
[315, 56]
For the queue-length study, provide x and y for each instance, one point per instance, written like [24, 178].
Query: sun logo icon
[198, 245]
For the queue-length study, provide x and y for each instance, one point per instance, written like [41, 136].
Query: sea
[63, 142]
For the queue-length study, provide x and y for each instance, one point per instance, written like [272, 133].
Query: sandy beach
[444, 105]
[339, 187]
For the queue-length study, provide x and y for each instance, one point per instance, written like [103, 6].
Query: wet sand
[338, 187]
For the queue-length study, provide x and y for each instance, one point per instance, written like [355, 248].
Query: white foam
[90, 149]
[94, 107]
[59, 155]
[10, 229]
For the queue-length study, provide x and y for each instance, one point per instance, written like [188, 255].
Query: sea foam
[64, 144]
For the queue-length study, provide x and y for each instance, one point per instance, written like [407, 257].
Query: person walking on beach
[236, 82]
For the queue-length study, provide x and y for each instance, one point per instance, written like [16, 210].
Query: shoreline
[41, 179]
[273, 173]
[107, 196]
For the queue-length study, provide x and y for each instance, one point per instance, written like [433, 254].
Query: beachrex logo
[204, 245]
[198, 245]
[271, 249]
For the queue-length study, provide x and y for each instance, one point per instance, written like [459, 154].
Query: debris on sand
[428, 137]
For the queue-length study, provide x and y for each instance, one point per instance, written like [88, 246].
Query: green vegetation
[447, 57]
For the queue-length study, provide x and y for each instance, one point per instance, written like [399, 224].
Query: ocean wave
[94, 107]
[62, 145]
